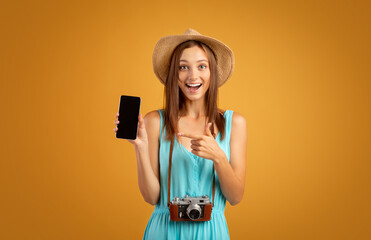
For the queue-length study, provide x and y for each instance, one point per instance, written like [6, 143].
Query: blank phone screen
[128, 117]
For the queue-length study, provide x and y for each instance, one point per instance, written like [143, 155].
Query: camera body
[190, 208]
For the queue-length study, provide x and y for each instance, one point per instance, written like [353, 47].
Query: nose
[193, 74]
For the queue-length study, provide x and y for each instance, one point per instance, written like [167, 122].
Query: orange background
[302, 81]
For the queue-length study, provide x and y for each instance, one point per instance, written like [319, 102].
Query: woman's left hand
[204, 146]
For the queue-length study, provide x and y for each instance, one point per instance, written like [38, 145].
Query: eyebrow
[202, 60]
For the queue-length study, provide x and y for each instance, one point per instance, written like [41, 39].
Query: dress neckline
[216, 139]
[191, 153]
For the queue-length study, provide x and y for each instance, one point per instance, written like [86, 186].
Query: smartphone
[129, 109]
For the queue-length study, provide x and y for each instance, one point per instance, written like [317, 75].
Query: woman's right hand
[142, 139]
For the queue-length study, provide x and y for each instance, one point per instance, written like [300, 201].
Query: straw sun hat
[166, 45]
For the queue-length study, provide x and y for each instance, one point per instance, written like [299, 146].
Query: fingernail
[179, 134]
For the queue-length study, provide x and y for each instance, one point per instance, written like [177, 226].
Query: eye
[183, 67]
[202, 66]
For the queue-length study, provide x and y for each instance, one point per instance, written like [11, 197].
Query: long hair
[175, 100]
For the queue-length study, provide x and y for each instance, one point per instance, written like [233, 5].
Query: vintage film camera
[190, 208]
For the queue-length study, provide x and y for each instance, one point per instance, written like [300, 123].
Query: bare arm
[148, 175]
[232, 174]
[146, 147]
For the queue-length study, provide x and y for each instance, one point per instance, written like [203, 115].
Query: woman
[192, 67]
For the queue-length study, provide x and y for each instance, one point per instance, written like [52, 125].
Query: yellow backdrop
[302, 81]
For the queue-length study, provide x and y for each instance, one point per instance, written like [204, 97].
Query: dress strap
[162, 122]
[228, 123]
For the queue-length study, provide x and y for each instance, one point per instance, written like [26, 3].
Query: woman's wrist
[220, 159]
[141, 148]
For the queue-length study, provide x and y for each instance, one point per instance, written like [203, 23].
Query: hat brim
[166, 45]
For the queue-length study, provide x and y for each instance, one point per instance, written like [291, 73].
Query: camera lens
[194, 211]
[194, 214]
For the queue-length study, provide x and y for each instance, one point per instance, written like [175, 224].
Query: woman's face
[194, 69]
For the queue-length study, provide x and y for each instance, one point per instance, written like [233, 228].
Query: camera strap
[169, 178]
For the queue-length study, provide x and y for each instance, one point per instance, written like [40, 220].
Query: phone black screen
[128, 117]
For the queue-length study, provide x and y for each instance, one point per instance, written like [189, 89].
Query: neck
[194, 109]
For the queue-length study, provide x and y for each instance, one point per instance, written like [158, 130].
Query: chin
[193, 96]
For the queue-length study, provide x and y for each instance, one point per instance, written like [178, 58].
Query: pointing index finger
[189, 135]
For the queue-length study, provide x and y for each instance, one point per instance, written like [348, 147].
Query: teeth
[194, 85]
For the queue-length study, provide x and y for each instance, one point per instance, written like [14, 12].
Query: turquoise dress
[190, 175]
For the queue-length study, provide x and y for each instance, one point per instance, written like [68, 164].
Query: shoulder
[152, 121]
[238, 131]
[238, 125]
[153, 114]
[152, 118]
[238, 119]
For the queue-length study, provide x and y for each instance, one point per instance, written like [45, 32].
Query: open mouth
[194, 87]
